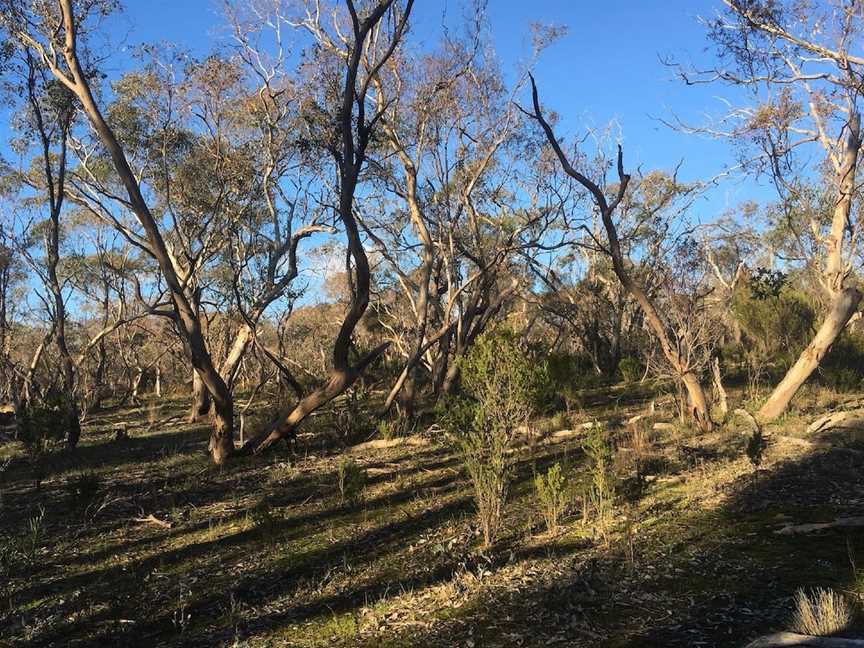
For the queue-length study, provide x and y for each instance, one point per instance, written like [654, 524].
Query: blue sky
[606, 68]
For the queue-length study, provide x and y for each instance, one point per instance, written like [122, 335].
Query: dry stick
[152, 519]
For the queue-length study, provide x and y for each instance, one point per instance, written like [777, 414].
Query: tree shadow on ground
[721, 578]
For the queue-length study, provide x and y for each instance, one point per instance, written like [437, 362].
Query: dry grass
[821, 613]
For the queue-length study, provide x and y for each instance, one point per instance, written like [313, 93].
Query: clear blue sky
[606, 68]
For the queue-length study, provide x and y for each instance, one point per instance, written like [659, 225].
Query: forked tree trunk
[201, 403]
[845, 298]
[355, 136]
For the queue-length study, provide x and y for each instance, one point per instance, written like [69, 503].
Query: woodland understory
[338, 334]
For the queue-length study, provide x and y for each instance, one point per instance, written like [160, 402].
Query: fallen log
[781, 639]
[383, 444]
[846, 420]
[842, 522]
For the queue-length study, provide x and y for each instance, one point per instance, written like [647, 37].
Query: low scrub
[552, 490]
[502, 386]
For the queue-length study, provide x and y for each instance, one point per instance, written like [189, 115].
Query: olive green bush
[501, 388]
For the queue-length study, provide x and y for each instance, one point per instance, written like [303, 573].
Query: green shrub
[601, 487]
[630, 369]
[552, 491]
[44, 424]
[390, 428]
[502, 386]
[264, 520]
[351, 416]
[841, 368]
[351, 481]
[776, 321]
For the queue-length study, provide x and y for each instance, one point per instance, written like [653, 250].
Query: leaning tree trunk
[355, 135]
[696, 394]
[842, 310]
[845, 298]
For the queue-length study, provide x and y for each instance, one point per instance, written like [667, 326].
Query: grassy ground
[262, 552]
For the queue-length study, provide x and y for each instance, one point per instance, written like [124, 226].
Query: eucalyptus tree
[658, 201]
[196, 152]
[342, 117]
[45, 119]
[458, 212]
[800, 75]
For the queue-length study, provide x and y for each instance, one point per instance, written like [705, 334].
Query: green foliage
[391, 428]
[351, 481]
[552, 491]
[630, 369]
[34, 533]
[262, 518]
[841, 368]
[776, 321]
[502, 387]
[45, 424]
[601, 487]
[351, 418]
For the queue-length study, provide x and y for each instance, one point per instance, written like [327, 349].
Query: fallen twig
[152, 519]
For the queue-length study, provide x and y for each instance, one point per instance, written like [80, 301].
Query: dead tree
[606, 207]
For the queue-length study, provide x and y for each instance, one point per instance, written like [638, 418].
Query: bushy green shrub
[553, 493]
[842, 368]
[630, 369]
[391, 428]
[601, 488]
[44, 424]
[776, 321]
[351, 481]
[502, 386]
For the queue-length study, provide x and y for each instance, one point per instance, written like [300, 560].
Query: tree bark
[844, 306]
[845, 299]
[201, 403]
[187, 319]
